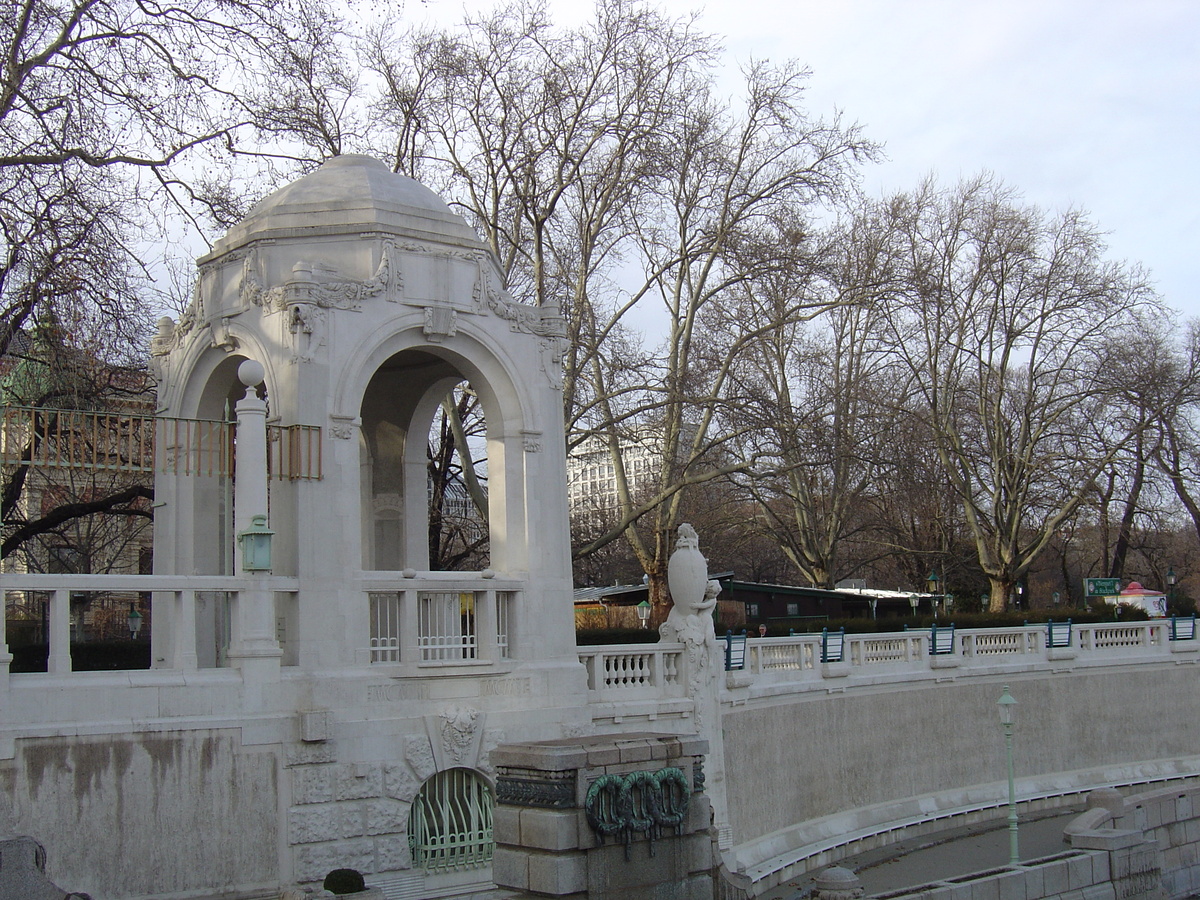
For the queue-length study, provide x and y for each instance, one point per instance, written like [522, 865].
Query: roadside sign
[1102, 587]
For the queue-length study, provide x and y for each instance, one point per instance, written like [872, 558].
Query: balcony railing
[173, 601]
[441, 618]
[137, 443]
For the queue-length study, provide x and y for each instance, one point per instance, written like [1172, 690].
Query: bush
[344, 881]
[593, 636]
[93, 656]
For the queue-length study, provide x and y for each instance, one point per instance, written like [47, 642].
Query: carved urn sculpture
[687, 572]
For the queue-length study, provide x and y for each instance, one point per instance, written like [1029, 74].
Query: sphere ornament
[251, 373]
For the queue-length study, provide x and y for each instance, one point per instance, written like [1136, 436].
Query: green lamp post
[1008, 715]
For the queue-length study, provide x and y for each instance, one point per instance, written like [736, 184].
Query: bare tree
[823, 418]
[586, 156]
[1009, 320]
[1177, 454]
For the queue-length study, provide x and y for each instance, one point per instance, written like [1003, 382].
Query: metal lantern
[643, 611]
[134, 621]
[256, 545]
[931, 583]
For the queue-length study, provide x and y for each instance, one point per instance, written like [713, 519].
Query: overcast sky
[1086, 103]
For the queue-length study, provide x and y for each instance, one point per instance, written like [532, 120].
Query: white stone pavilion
[329, 711]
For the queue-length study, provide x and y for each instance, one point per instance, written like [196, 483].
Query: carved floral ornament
[312, 288]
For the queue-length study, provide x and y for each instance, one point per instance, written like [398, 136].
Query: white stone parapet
[643, 672]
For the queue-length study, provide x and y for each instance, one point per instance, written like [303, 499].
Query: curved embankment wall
[810, 770]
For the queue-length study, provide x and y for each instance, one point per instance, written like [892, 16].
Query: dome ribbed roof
[351, 194]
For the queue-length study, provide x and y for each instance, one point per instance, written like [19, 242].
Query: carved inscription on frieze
[504, 687]
[392, 693]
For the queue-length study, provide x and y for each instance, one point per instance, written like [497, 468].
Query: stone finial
[836, 883]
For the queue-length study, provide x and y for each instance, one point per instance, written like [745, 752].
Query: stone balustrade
[173, 601]
[640, 672]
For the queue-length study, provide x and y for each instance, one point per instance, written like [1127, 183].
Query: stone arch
[402, 387]
[210, 392]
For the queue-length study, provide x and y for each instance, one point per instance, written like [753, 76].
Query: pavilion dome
[346, 195]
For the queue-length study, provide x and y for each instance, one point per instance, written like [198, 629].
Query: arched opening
[424, 468]
[207, 447]
[450, 822]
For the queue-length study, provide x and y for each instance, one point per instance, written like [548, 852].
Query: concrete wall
[149, 814]
[851, 761]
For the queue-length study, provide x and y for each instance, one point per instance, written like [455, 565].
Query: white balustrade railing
[440, 618]
[638, 671]
[634, 670]
[872, 650]
[172, 602]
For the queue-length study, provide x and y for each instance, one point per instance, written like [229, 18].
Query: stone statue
[690, 619]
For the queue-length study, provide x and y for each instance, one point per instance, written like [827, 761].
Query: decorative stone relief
[537, 320]
[550, 352]
[458, 736]
[250, 290]
[195, 308]
[441, 322]
[531, 441]
[307, 329]
[419, 753]
[535, 787]
[344, 427]
[222, 338]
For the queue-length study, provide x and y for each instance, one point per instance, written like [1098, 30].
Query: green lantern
[256, 545]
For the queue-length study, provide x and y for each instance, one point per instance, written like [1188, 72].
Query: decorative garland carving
[458, 730]
[637, 803]
[534, 787]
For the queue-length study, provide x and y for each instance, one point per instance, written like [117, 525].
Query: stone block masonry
[604, 818]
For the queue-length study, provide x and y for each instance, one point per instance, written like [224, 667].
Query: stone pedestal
[603, 818]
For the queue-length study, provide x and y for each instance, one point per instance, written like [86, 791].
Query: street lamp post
[1008, 711]
[1171, 586]
[931, 588]
[643, 611]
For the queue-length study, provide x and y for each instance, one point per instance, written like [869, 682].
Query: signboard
[1102, 587]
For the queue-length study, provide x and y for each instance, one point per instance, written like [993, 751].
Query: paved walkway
[947, 854]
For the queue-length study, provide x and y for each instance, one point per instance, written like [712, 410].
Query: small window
[752, 610]
[793, 609]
